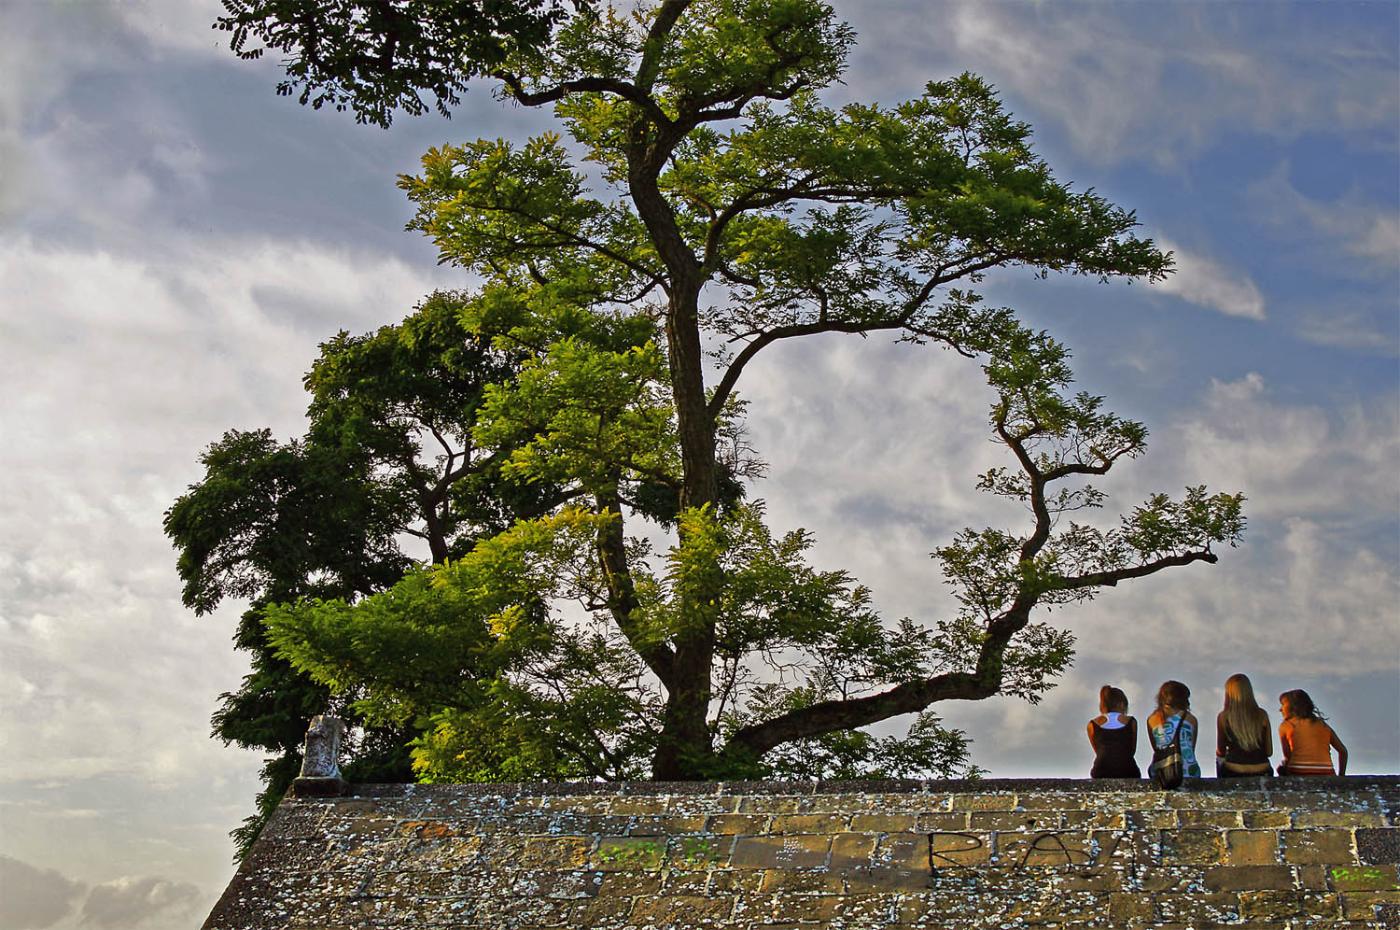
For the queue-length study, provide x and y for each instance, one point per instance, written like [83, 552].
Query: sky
[175, 240]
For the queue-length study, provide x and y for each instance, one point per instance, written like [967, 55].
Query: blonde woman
[1243, 738]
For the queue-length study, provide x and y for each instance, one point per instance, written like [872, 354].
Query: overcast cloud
[175, 240]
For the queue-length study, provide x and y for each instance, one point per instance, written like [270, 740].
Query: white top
[1112, 721]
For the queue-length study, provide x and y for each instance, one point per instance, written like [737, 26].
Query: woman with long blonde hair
[1243, 739]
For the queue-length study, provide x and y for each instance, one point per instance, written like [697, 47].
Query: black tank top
[1113, 752]
[1236, 753]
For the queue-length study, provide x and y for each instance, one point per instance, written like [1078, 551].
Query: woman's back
[1162, 727]
[1114, 738]
[1244, 752]
[1308, 746]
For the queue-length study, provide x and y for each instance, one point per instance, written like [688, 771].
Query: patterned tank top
[1164, 733]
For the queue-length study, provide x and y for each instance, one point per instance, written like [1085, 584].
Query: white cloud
[33, 898]
[1291, 460]
[1358, 329]
[117, 371]
[1155, 82]
[139, 902]
[1357, 224]
[1208, 283]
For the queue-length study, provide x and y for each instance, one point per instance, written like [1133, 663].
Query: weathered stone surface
[1285, 854]
[1376, 847]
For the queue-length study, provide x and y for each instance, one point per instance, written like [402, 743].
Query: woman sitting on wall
[1243, 737]
[1306, 738]
[1113, 734]
[1174, 712]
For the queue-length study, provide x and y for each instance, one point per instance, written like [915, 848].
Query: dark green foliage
[376, 56]
[387, 452]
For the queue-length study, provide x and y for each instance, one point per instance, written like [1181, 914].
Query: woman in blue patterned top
[1174, 710]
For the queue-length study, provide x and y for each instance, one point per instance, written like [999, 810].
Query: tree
[738, 211]
[388, 452]
[375, 56]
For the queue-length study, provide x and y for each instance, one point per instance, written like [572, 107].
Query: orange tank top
[1311, 741]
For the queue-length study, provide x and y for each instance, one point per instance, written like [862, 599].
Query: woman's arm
[1341, 748]
[1090, 730]
[1285, 742]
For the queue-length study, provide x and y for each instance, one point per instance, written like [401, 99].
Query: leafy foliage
[725, 207]
[387, 452]
[374, 56]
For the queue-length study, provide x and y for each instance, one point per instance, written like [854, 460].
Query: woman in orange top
[1306, 738]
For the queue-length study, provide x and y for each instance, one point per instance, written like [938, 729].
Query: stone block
[1211, 818]
[1222, 907]
[724, 881]
[1363, 878]
[1275, 904]
[782, 881]
[1362, 905]
[946, 850]
[1127, 906]
[664, 825]
[984, 802]
[804, 908]
[685, 912]
[793, 851]
[1251, 847]
[1149, 819]
[886, 823]
[1250, 878]
[1378, 846]
[1339, 819]
[808, 823]
[862, 881]
[767, 804]
[1267, 820]
[941, 822]
[852, 850]
[737, 823]
[1095, 820]
[1045, 848]
[902, 851]
[698, 852]
[629, 853]
[1193, 846]
[1321, 847]
[571, 885]
[555, 852]
[986, 821]
[446, 853]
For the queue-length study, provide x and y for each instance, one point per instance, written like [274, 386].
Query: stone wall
[1286, 853]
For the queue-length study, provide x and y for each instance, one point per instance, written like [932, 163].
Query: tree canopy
[706, 205]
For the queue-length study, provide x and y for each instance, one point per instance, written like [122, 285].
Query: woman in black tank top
[1113, 734]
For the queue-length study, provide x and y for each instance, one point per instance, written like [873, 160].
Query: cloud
[1291, 460]
[1358, 329]
[33, 898]
[37, 899]
[117, 377]
[137, 902]
[1140, 81]
[1207, 283]
[1358, 224]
